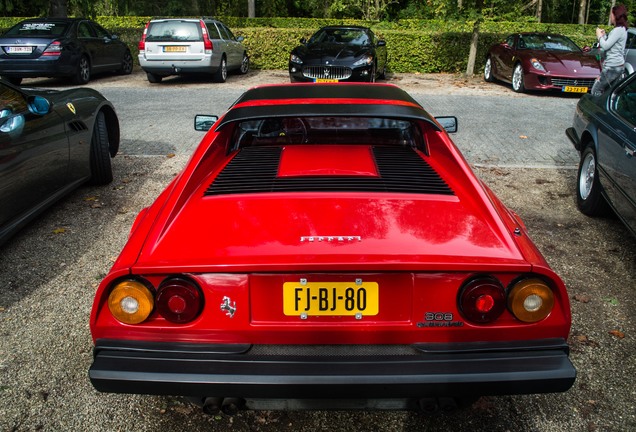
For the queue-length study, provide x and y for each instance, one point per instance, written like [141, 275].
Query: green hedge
[424, 46]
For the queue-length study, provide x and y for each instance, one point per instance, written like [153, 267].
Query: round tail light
[130, 302]
[482, 300]
[179, 300]
[530, 300]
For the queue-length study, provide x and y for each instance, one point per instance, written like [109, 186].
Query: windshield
[341, 35]
[547, 42]
[327, 130]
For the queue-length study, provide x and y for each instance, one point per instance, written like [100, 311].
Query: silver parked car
[630, 51]
[177, 46]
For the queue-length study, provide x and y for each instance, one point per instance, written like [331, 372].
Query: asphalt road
[50, 270]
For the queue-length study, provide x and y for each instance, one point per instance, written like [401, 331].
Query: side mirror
[204, 122]
[38, 105]
[303, 41]
[587, 49]
[240, 38]
[381, 43]
[449, 123]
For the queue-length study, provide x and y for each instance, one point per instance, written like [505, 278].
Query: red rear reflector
[482, 300]
[179, 300]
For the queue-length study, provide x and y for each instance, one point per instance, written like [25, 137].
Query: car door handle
[629, 152]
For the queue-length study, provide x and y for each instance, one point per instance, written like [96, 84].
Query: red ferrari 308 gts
[327, 245]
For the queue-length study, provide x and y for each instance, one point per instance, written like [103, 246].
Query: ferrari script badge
[330, 239]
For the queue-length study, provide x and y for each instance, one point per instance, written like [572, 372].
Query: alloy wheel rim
[586, 178]
[516, 78]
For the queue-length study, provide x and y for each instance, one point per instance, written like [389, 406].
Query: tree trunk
[251, 8]
[472, 54]
[609, 19]
[539, 10]
[58, 9]
[582, 8]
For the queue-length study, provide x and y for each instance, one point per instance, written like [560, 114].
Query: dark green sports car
[604, 132]
[51, 142]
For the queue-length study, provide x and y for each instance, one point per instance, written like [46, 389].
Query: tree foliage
[554, 11]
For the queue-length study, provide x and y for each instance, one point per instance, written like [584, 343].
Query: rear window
[327, 130]
[174, 31]
[37, 29]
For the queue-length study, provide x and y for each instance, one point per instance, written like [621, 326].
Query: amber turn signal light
[131, 302]
[530, 300]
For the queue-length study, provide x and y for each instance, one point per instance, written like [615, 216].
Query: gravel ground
[51, 269]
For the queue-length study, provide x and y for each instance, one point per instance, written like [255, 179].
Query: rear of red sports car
[328, 246]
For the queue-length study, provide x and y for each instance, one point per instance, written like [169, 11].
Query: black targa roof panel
[304, 100]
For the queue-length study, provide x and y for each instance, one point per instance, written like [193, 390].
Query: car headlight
[295, 59]
[537, 65]
[364, 61]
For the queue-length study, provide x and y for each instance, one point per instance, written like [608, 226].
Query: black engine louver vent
[77, 126]
[254, 170]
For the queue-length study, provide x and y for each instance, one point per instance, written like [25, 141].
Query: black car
[61, 47]
[604, 132]
[51, 142]
[339, 53]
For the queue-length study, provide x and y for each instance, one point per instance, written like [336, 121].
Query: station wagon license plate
[326, 80]
[19, 50]
[174, 49]
[574, 89]
[330, 298]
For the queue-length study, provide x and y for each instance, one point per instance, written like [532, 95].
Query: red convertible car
[542, 61]
[327, 245]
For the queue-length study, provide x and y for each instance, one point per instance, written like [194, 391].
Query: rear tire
[101, 168]
[126, 64]
[83, 73]
[589, 198]
[221, 74]
[488, 70]
[245, 65]
[155, 79]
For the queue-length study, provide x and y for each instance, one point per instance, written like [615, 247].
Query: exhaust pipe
[212, 405]
[231, 406]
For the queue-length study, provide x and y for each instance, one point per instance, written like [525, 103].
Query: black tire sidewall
[101, 167]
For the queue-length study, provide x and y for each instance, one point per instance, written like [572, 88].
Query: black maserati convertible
[339, 53]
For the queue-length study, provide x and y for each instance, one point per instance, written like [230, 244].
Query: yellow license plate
[174, 49]
[572, 89]
[330, 298]
[326, 80]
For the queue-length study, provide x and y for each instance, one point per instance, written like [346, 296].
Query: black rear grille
[254, 170]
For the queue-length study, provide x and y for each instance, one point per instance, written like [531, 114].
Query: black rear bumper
[231, 371]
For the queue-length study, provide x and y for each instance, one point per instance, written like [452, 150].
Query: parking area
[517, 145]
